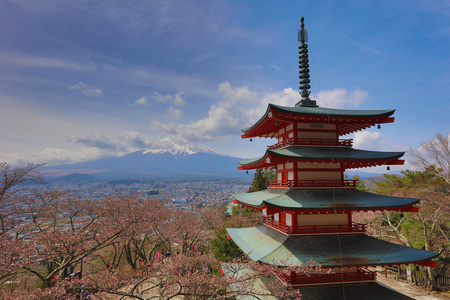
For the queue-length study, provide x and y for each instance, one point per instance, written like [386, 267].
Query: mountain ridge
[183, 160]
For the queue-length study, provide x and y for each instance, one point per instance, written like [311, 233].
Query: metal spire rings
[304, 67]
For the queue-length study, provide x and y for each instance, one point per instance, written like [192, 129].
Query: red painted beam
[428, 263]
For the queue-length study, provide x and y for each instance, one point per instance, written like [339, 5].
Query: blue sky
[82, 80]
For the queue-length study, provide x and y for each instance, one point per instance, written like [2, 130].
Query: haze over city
[88, 80]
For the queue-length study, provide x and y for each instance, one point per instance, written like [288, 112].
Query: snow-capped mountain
[188, 160]
[187, 149]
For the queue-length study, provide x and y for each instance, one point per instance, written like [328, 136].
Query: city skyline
[85, 80]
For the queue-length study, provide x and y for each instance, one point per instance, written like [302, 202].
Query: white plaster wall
[326, 219]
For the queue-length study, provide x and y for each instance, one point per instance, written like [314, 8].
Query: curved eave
[269, 246]
[348, 157]
[348, 121]
[323, 200]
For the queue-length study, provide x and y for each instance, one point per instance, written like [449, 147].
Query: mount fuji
[188, 160]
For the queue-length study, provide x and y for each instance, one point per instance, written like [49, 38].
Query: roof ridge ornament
[304, 67]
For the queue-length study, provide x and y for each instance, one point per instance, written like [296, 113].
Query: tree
[259, 180]
[434, 153]
[193, 276]
[360, 184]
[429, 228]
[10, 178]
[14, 251]
[225, 249]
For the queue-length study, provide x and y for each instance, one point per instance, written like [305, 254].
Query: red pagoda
[307, 210]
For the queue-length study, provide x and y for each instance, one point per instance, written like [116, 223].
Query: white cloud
[175, 113]
[238, 107]
[241, 107]
[121, 143]
[86, 90]
[53, 156]
[341, 98]
[178, 100]
[174, 99]
[368, 140]
[143, 101]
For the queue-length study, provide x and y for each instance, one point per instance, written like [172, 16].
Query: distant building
[179, 201]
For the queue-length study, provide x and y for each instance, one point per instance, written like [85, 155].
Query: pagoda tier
[330, 251]
[299, 167]
[319, 212]
[340, 121]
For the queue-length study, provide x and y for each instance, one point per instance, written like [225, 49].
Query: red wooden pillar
[292, 277]
[349, 220]
[294, 222]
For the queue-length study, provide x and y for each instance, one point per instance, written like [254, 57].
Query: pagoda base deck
[357, 291]
[358, 276]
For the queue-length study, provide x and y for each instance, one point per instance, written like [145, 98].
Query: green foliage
[259, 180]
[360, 184]
[224, 249]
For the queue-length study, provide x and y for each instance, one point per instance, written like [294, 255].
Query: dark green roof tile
[327, 154]
[321, 111]
[269, 246]
[322, 199]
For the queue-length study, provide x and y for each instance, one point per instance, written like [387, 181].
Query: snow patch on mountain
[187, 149]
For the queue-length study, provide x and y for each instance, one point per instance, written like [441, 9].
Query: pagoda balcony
[310, 184]
[313, 229]
[313, 279]
[313, 142]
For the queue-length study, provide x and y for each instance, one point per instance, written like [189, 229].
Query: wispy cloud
[420, 79]
[31, 61]
[363, 47]
[86, 90]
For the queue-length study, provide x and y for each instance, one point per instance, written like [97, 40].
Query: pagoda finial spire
[304, 67]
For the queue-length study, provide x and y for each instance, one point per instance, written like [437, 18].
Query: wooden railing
[311, 183]
[313, 229]
[360, 275]
[313, 142]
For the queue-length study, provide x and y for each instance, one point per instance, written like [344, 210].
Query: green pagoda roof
[269, 246]
[324, 154]
[322, 112]
[322, 199]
